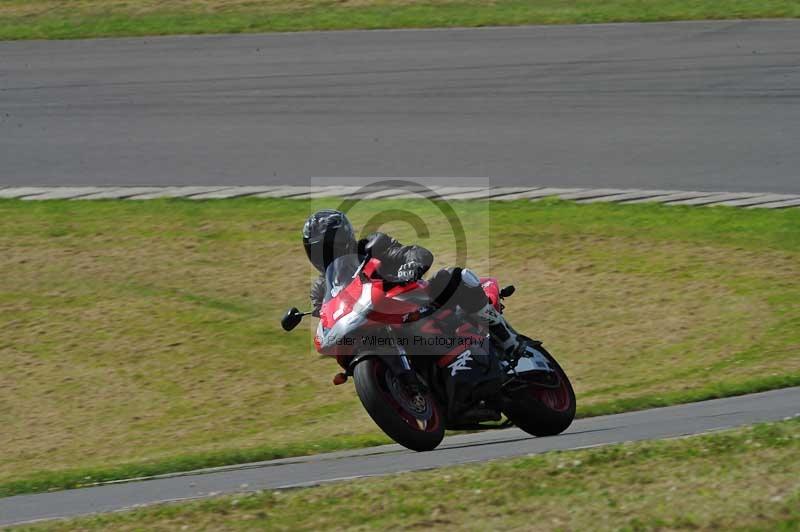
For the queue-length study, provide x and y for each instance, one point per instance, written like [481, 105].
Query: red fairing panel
[340, 305]
[333, 311]
[492, 290]
[390, 307]
[362, 306]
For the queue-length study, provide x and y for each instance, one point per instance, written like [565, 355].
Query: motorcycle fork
[400, 364]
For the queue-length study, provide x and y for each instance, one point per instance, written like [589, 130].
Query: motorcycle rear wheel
[414, 421]
[543, 410]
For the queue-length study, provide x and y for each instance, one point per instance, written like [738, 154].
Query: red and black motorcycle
[420, 369]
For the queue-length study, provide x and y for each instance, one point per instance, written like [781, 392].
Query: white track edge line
[604, 195]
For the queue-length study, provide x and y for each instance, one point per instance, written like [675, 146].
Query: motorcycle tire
[543, 410]
[414, 422]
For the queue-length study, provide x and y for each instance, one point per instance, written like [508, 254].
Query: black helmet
[327, 235]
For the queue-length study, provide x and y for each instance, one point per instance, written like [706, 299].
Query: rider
[328, 234]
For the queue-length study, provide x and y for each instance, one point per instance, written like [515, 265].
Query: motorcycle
[420, 368]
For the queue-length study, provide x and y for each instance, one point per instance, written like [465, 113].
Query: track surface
[649, 424]
[687, 106]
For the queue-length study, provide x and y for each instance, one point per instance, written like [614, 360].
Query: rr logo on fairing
[461, 362]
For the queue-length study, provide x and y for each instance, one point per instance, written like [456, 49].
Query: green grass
[735, 480]
[67, 19]
[139, 338]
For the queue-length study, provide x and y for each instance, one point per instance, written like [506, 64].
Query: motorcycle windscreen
[345, 307]
[339, 274]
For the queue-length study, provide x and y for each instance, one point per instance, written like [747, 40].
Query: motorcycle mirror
[507, 291]
[292, 319]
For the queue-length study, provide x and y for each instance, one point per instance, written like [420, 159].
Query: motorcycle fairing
[349, 313]
[360, 301]
[492, 290]
[470, 374]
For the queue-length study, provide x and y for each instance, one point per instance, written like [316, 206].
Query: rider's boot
[503, 335]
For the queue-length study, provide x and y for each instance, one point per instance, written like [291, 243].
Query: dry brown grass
[133, 332]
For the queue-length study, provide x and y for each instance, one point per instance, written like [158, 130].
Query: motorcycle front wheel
[411, 418]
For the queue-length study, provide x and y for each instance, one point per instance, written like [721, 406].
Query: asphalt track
[685, 106]
[667, 422]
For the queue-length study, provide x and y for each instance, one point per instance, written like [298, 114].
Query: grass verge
[735, 480]
[65, 19]
[139, 338]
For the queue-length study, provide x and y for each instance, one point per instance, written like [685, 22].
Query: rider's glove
[410, 271]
